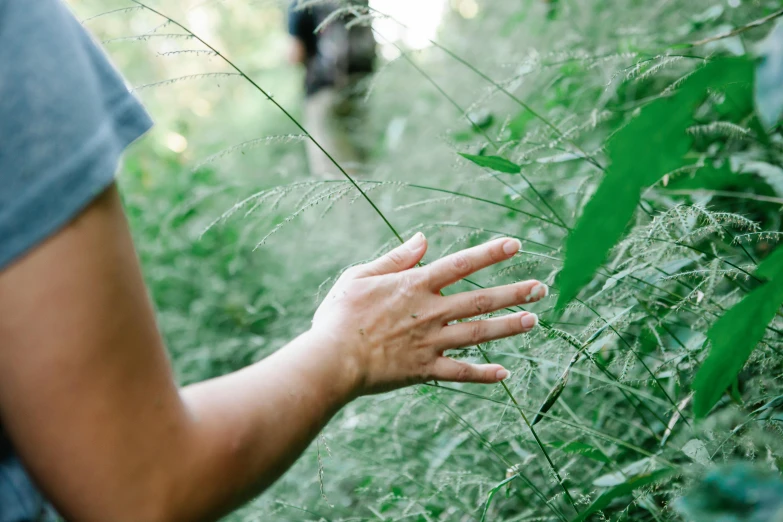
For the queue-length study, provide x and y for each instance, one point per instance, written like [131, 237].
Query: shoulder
[65, 117]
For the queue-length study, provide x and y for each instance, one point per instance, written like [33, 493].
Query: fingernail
[529, 321]
[416, 243]
[502, 374]
[539, 291]
[511, 246]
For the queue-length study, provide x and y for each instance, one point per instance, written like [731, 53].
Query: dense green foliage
[633, 147]
[736, 334]
[662, 126]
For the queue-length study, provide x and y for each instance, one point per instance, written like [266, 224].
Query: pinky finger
[446, 369]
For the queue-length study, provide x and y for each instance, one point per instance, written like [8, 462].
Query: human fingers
[452, 268]
[447, 369]
[470, 333]
[401, 258]
[469, 304]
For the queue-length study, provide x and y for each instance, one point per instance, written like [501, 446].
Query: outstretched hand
[391, 324]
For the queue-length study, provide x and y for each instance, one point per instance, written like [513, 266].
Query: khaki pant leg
[327, 125]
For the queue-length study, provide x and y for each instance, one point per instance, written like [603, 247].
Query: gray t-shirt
[65, 118]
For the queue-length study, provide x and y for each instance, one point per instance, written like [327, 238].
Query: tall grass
[237, 244]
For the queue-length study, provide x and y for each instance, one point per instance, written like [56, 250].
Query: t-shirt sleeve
[300, 21]
[66, 116]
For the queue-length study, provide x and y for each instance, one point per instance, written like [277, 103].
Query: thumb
[401, 258]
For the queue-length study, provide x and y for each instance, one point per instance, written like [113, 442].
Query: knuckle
[463, 374]
[408, 285]
[408, 282]
[351, 272]
[427, 373]
[476, 332]
[416, 278]
[425, 316]
[396, 258]
[461, 263]
[482, 302]
[426, 278]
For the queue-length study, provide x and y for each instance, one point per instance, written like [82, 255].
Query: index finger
[450, 269]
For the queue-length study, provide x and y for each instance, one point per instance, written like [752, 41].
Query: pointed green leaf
[552, 396]
[711, 177]
[492, 494]
[735, 335]
[623, 489]
[516, 126]
[493, 162]
[648, 147]
[580, 448]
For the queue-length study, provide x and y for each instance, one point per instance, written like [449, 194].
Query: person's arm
[88, 398]
[297, 53]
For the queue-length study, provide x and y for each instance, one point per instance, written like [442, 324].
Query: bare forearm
[250, 426]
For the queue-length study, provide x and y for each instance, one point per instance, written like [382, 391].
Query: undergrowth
[646, 189]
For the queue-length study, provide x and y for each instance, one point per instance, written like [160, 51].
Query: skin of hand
[297, 52]
[89, 400]
[391, 322]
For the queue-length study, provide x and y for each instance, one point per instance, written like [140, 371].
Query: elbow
[158, 506]
[152, 496]
[118, 509]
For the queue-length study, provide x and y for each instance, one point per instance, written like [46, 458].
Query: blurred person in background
[92, 421]
[337, 56]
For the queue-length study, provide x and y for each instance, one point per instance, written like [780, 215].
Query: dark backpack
[343, 53]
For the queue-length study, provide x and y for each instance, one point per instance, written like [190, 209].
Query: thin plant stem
[738, 30]
[523, 105]
[492, 448]
[533, 432]
[565, 422]
[484, 133]
[423, 485]
[283, 110]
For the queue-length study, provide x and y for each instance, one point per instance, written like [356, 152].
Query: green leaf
[648, 147]
[552, 397]
[769, 77]
[516, 127]
[696, 450]
[493, 162]
[775, 403]
[623, 489]
[580, 448]
[710, 177]
[492, 494]
[735, 392]
[560, 158]
[770, 175]
[735, 335]
[462, 136]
